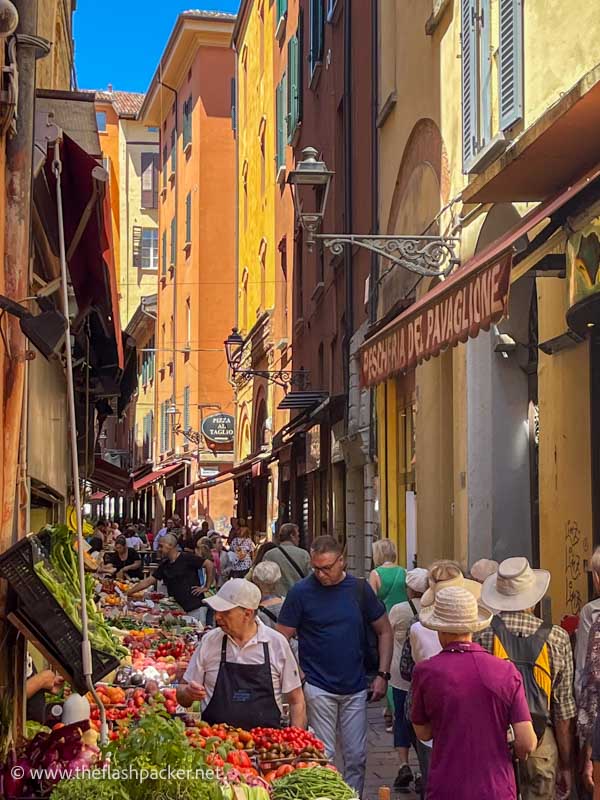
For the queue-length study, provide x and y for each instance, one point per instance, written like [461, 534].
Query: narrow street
[382, 760]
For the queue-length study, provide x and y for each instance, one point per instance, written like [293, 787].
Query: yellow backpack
[531, 656]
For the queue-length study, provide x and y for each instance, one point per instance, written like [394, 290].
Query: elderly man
[330, 612]
[465, 700]
[180, 573]
[169, 524]
[517, 634]
[292, 560]
[243, 671]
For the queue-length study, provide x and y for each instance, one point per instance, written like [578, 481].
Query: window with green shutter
[511, 62]
[294, 89]
[163, 266]
[165, 162]
[188, 218]
[173, 261]
[186, 408]
[282, 8]
[317, 34]
[187, 122]
[281, 109]
[173, 151]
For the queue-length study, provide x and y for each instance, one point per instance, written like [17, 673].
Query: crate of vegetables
[45, 618]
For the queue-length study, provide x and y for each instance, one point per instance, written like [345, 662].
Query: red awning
[208, 483]
[97, 497]
[153, 477]
[187, 491]
[470, 300]
[110, 477]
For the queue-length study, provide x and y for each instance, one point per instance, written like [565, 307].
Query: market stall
[142, 645]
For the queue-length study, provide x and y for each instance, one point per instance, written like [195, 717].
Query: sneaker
[404, 777]
[419, 785]
[389, 728]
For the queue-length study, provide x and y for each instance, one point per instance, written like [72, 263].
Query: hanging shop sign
[583, 274]
[458, 308]
[219, 428]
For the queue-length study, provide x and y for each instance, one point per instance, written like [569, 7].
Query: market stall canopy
[155, 476]
[109, 477]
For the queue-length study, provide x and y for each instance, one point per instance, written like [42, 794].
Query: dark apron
[243, 695]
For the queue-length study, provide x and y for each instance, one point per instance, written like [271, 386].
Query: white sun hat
[455, 610]
[235, 593]
[515, 587]
[417, 579]
[483, 568]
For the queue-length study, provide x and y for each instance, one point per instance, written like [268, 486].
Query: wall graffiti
[575, 545]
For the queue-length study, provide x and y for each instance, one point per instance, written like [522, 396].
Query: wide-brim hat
[455, 610]
[466, 583]
[515, 587]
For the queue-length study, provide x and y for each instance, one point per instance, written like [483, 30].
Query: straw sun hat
[455, 610]
[466, 583]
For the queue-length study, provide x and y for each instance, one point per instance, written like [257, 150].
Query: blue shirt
[331, 632]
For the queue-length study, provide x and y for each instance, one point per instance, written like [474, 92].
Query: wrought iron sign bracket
[190, 434]
[284, 378]
[428, 256]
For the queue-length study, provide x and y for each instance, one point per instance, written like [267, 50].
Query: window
[164, 432]
[331, 4]
[149, 248]
[173, 260]
[188, 322]
[163, 266]
[280, 102]
[262, 257]
[294, 93]
[148, 361]
[187, 122]
[101, 121]
[281, 8]
[149, 180]
[145, 247]
[245, 319]
[173, 151]
[233, 106]
[263, 163]
[188, 218]
[317, 35]
[186, 408]
[478, 84]
[165, 161]
[245, 182]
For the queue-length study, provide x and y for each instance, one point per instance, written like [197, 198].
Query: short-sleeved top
[393, 586]
[289, 573]
[242, 549]
[331, 631]
[96, 544]
[204, 664]
[118, 563]
[562, 701]
[181, 576]
[469, 698]
[401, 616]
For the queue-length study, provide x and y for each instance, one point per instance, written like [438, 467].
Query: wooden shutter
[280, 113]
[293, 87]
[173, 150]
[163, 266]
[188, 218]
[173, 241]
[147, 180]
[137, 246]
[511, 62]
[233, 106]
[155, 171]
[469, 81]
[281, 8]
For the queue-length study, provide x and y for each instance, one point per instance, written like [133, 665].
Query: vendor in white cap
[513, 593]
[243, 671]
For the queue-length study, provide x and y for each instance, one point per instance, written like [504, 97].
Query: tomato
[206, 731]
[270, 776]
[285, 769]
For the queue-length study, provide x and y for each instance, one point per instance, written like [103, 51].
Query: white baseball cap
[235, 593]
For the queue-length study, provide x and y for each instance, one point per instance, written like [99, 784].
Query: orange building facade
[189, 101]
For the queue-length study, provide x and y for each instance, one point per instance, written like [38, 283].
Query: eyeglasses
[327, 568]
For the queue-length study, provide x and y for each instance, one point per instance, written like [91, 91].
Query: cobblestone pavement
[382, 759]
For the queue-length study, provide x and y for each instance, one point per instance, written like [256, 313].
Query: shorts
[403, 733]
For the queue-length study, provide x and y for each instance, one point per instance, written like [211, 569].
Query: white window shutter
[469, 81]
[511, 62]
[137, 246]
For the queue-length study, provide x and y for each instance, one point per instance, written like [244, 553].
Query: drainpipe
[374, 287]
[236, 279]
[174, 354]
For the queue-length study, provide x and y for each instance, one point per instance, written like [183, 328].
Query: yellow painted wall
[109, 143]
[54, 24]
[134, 283]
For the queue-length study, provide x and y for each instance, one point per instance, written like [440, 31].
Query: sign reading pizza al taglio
[219, 428]
[456, 309]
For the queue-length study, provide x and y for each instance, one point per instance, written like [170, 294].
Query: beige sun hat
[483, 568]
[455, 610]
[417, 579]
[515, 587]
[466, 583]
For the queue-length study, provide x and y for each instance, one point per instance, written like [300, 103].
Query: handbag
[407, 663]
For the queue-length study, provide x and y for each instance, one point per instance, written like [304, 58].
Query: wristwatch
[385, 675]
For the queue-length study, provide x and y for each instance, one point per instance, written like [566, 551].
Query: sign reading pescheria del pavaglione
[471, 299]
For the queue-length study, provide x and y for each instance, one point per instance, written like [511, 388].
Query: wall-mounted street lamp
[190, 434]
[234, 352]
[429, 256]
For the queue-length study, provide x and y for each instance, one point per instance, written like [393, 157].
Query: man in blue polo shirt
[329, 611]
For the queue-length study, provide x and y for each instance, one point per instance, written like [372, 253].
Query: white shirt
[135, 542]
[423, 643]
[400, 616]
[204, 664]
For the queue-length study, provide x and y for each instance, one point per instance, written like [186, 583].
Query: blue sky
[120, 41]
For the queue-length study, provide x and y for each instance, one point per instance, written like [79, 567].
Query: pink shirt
[469, 697]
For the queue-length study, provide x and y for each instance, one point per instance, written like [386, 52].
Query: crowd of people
[496, 701]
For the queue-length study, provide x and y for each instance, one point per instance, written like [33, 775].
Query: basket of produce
[47, 586]
[312, 784]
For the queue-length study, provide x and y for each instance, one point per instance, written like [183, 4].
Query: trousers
[538, 773]
[344, 716]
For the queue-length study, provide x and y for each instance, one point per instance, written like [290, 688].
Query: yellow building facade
[485, 450]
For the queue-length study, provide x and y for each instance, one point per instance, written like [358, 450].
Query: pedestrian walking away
[465, 700]
[292, 560]
[330, 613]
[542, 652]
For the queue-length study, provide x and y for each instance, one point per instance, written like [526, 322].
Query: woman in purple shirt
[465, 700]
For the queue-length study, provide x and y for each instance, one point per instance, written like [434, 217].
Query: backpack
[370, 640]
[531, 656]
[407, 663]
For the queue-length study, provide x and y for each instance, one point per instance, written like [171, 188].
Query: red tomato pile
[287, 741]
